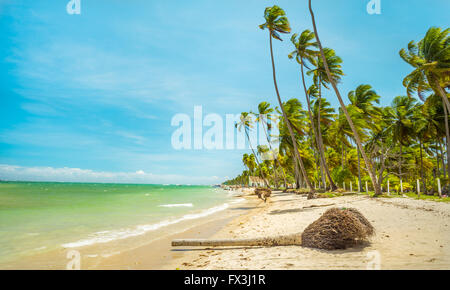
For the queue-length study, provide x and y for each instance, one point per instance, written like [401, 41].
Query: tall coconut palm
[430, 58]
[363, 99]
[246, 124]
[321, 79]
[304, 53]
[368, 162]
[276, 23]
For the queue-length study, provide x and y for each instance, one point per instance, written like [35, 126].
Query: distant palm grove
[320, 148]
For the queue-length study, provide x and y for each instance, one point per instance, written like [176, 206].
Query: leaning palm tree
[304, 53]
[277, 22]
[246, 125]
[430, 59]
[320, 79]
[369, 165]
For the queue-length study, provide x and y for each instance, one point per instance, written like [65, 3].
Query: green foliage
[341, 175]
[406, 138]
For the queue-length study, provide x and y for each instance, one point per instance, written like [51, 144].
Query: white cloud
[65, 174]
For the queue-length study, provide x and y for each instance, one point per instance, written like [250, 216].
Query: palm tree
[368, 162]
[277, 22]
[245, 161]
[430, 59]
[303, 54]
[401, 115]
[362, 100]
[263, 116]
[246, 124]
[424, 129]
[320, 79]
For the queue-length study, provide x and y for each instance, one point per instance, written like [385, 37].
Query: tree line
[321, 147]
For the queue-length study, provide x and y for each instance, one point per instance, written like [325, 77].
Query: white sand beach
[410, 234]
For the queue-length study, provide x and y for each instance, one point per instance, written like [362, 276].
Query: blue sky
[90, 97]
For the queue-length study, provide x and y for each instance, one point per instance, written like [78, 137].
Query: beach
[410, 234]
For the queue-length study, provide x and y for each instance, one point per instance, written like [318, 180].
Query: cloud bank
[65, 174]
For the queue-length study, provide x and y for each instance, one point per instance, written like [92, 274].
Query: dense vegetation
[319, 146]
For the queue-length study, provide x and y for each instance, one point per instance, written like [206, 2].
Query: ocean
[36, 217]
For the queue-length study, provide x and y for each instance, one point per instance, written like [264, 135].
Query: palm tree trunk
[369, 165]
[400, 167]
[319, 133]
[442, 93]
[321, 149]
[359, 170]
[294, 142]
[287, 240]
[297, 176]
[444, 170]
[447, 137]
[424, 184]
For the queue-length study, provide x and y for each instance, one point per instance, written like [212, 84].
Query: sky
[90, 97]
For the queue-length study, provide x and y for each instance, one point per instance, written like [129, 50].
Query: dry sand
[410, 234]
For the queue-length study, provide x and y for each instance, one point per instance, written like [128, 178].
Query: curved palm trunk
[318, 143]
[294, 142]
[359, 170]
[319, 133]
[442, 93]
[256, 158]
[369, 165]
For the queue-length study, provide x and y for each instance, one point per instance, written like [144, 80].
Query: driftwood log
[289, 240]
[335, 229]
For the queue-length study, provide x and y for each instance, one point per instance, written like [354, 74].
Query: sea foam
[177, 205]
[108, 236]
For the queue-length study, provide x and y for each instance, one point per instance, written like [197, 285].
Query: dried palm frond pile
[337, 229]
[263, 193]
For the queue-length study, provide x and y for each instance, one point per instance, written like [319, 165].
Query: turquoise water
[38, 216]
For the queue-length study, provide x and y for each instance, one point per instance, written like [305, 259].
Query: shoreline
[151, 250]
[158, 254]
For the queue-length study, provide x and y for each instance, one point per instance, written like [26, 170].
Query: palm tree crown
[276, 21]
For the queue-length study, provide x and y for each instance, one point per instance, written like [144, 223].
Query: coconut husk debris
[263, 193]
[337, 229]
